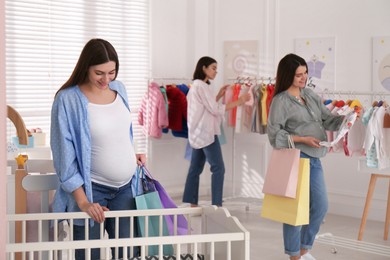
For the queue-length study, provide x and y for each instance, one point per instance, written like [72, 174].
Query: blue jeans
[213, 154]
[302, 237]
[114, 199]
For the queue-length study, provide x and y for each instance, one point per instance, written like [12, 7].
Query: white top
[375, 135]
[110, 142]
[204, 114]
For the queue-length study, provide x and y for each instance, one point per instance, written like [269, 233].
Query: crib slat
[86, 229]
[132, 219]
[160, 226]
[147, 231]
[143, 255]
[195, 250]
[24, 227]
[101, 235]
[55, 238]
[39, 238]
[107, 251]
[212, 250]
[175, 224]
[71, 228]
[178, 250]
[88, 254]
[160, 252]
[124, 252]
[116, 234]
[229, 250]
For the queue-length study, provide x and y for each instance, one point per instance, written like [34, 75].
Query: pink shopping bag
[282, 173]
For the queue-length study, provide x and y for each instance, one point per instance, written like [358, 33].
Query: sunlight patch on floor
[366, 247]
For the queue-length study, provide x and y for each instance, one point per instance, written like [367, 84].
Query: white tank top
[113, 160]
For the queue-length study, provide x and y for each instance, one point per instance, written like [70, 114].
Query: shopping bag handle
[291, 143]
[143, 176]
[137, 172]
[146, 171]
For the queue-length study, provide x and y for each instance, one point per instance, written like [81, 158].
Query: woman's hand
[141, 159]
[311, 141]
[221, 92]
[94, 210]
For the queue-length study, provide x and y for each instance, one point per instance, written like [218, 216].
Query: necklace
[299, 99]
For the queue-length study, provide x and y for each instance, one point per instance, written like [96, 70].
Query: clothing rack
[244, 79]
[353, 93]
[169, 79]
[369, 96]
[257, 80]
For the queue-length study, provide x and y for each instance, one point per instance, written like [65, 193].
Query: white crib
[213, 234]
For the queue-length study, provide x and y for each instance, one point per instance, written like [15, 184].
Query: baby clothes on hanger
[152, 114]
[346, 125]
[376, 155]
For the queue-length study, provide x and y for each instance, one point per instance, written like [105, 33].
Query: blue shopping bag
[146, 197]
[152, 200]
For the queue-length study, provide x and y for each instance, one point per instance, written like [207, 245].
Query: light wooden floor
[337, 238]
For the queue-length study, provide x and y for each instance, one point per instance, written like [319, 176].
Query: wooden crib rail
[231, 242]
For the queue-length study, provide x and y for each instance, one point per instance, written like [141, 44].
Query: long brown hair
[95, 52]
[286, 71]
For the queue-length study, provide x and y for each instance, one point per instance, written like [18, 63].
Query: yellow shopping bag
[289, 210]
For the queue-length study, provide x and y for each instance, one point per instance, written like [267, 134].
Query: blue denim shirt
[70, 141]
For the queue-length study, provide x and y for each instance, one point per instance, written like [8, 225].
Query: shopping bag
[168, 203]
[291, 211]
[152, 200]
[141, 183]
[146, 197]
[282, 173]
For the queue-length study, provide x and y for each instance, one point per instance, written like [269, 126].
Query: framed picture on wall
[240, 59]
[381, 64]
[319, 54]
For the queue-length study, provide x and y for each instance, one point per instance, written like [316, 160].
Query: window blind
[44, 39]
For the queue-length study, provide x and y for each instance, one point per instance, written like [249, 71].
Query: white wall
[353, 23]
[183, 31]
[3, 187]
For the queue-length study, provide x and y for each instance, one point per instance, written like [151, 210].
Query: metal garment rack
[251, 79]
[354, 93]
[375, 173]
[351, 92]
[184, 80]
[242, 80]
[373, 96]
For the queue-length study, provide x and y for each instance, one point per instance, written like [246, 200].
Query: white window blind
[44, 39]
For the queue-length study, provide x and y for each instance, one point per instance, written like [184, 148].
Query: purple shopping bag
[167, 202]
